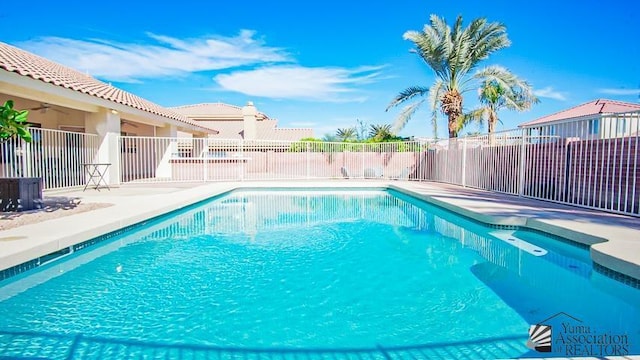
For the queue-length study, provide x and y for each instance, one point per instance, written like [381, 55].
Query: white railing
[55, 156]
[152, 159]
[593, 163]
[587, 162]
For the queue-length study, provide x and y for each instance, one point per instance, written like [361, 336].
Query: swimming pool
[315, 274]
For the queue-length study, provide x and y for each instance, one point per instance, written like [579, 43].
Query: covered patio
[75, 119]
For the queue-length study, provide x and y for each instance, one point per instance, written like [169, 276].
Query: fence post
[199, 149]
[362, 156]
[240, 160]
[26, 158]
[308, 160]
[523, 144]
[464, 161]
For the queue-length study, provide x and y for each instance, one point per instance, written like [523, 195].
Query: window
[594, 126]
[127, 145]
[551, 130]
[621, 126]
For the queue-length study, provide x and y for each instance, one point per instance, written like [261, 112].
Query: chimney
[249, 113]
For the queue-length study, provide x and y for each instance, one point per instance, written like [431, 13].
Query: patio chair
[372, 173]
[404, 175]
[345, 172]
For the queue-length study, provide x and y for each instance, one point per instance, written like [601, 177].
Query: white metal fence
[592, 163]
[587, 162]
[151, 159]
[55, 156]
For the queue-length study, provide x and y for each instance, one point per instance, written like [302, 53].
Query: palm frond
[405, 115]
[487, 39]
[436, 91]
[477, 115]
[406, 95]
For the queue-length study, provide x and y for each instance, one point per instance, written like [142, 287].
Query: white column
[249, 117]
[106, 124]
[166, 149]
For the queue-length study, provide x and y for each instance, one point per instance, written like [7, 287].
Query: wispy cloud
[549, 93]
[620, 91]
[303, 83]
[162, 56]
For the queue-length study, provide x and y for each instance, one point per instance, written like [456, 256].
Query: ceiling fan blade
[123, 122]
[60, 111]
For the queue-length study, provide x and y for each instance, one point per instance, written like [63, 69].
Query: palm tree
[346, 134]
[452, 53]
[380, 133]
[501, 90]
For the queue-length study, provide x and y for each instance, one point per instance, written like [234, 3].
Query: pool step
[507, 236]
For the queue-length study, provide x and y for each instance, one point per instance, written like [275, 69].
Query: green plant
[13, 123]
[347, 134]
[381, 133]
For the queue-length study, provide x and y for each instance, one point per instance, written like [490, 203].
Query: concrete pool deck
[614, 239]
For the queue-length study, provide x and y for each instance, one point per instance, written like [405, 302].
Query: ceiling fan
[44, 107]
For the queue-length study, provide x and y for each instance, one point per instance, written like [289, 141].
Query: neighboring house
[597, 119]
[236, 123]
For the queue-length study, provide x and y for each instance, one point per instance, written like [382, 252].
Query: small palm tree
[452, 53]
[381, 133]
[346, 134]
[501, 90]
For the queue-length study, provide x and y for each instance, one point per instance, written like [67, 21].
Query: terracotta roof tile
[25, 63]
[599, 106]
[213, 110]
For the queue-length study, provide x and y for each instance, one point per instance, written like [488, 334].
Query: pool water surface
[335, 271]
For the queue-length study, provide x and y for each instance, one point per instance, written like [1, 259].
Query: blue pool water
[316, 274]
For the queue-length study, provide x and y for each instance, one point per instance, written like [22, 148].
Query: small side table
[95, 175]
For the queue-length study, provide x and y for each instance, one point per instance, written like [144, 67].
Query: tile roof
[595, 107]
[18, 61]
[266, 130]
[228, 121]
[213, 110]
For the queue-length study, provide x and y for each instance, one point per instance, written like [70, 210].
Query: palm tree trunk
[452, 107]
[453, 126]
[492, 126]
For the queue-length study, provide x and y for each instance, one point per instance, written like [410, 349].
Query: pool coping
[613, 240]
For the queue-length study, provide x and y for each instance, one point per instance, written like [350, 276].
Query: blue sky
[325, 64]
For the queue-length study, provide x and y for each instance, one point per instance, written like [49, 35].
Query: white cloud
[620, 91]
[550, 93]
[164, 56]
[303, 83]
